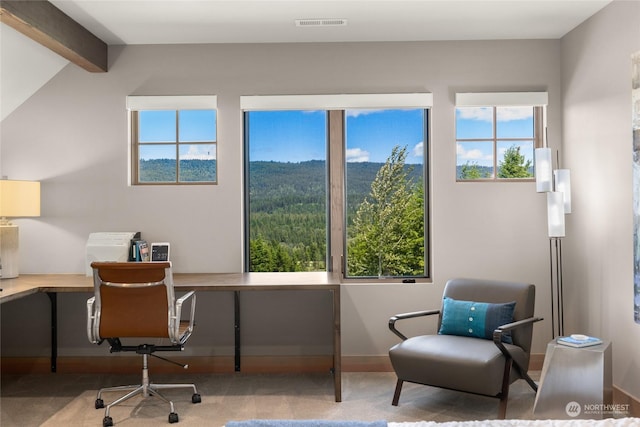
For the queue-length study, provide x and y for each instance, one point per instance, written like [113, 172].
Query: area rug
[609, 422]
[306, 423]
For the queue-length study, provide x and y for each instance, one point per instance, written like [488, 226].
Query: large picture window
[337, 189]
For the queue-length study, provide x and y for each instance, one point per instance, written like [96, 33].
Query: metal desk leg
[236, 315]
[53, 299]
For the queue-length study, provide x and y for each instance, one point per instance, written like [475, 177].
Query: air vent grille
[324, 22]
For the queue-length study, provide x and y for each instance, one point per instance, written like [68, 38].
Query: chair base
[145, 389]
[503, 396]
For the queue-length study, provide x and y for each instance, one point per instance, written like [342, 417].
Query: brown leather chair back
[133, 299]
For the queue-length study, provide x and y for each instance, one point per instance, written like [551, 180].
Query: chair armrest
[497, 340]
[497, 337]
[513, 325]
[179, 303]
[92, 327]
[403, 316]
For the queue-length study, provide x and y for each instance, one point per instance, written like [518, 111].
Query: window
[496, 134]
[321, 183]
[173, 140]
[385, 206]
[287, 178]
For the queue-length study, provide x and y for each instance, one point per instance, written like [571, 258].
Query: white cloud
[357, 155]
[507, 114]
[418, 149]
[484, 114]
[474, 154]
[361, 112]
[197, 152]
[504, 114]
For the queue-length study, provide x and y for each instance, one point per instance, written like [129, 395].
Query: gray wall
[597, 143]
[72, 136]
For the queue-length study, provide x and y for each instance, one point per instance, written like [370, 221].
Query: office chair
[136, 300]
[484, 330]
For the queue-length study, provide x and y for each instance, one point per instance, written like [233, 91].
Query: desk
[52, 284]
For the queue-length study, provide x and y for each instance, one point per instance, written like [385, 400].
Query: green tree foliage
[387, 234]
[287, 216]
[513, 164]
[288, 229]
[471, 170]
[164, 170]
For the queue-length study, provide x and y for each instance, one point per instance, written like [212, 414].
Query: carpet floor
[68, 399]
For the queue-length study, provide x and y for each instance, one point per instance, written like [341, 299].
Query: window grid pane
[174, 146]
[156, 126]
[508, 155]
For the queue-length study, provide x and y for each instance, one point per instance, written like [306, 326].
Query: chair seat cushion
[461, 363]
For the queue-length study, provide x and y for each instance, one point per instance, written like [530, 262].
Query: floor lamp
[557, 185]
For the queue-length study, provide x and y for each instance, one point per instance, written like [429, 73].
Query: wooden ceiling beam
[46, 24]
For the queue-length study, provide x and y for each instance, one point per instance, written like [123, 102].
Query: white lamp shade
[563, 185]
[555, 214]
[19, 198]
[543, 170]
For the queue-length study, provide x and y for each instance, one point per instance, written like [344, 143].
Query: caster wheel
[196, 398]
[99, 403]
[173, 418]
[107, 422]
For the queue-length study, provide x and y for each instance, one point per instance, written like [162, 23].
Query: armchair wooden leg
[504, 394]
[396, 395]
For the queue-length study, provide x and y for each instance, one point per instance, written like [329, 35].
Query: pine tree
[387, 236]
[472, 171]
[513, 165]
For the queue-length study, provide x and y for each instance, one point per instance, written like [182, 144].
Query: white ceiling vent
[324, 22]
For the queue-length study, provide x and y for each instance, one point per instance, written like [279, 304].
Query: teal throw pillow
[475, 319]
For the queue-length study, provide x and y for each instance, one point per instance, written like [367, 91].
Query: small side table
[575, 383]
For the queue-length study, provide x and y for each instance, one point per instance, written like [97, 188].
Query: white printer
[109, 246]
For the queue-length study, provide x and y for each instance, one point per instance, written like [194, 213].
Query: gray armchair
[475, 350]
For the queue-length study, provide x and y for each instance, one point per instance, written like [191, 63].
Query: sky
[296, 136]
[477, 122]
[193, 126]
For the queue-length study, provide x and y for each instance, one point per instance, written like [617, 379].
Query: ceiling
[25, 65]
[259, 21]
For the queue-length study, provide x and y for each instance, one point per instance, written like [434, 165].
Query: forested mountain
[164, 170]
[277, 184]
[288, 204]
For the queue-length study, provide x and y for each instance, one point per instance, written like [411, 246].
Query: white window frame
[335, 105]
[507, 99]
[164, 102]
